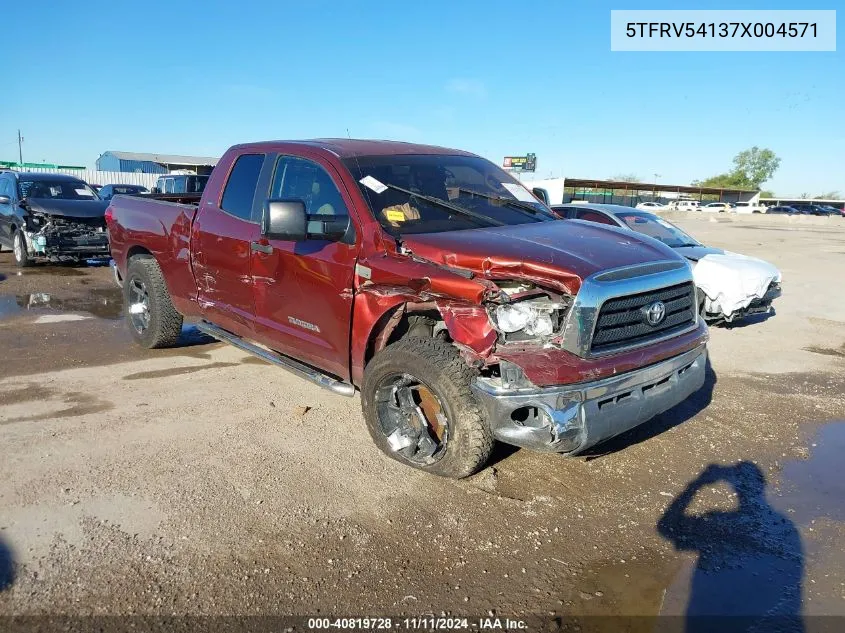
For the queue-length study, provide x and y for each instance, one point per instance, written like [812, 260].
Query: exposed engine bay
[62, 238]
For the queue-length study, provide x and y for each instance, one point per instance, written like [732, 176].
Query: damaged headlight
[533, 317]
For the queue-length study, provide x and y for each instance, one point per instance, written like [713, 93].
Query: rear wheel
[152, 319]
[22, 258]
[420, 410]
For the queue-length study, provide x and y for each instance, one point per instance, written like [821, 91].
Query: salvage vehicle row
[51, 217]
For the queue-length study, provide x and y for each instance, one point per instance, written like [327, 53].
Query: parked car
[429, 279]
[783, 210]
[109, 191]
[51, 217]
[808, 208]
[651, 206]
[731, 286]
[748, 207]
[685, 205]
[716, 207]
[834, 211]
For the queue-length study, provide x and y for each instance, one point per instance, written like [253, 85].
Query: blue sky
[497, 78]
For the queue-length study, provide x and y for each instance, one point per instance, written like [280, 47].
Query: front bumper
[760, 305]
[90, 245]
[572, 418]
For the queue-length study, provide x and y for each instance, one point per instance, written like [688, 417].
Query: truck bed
[164, 228]
[184, 198]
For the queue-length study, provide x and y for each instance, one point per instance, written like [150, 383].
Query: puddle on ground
[54, 271]
[750, 558]
[104, 303]
[814, 488]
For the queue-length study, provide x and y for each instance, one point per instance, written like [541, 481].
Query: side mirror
[542, 194]
[285, 220]
[5, 200]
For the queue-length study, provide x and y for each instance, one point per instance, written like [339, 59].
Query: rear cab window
[239, 193]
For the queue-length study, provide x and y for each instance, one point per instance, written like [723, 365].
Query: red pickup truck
[428, 279]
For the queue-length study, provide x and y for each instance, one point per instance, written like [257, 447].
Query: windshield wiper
[447, 205]
[517, 204]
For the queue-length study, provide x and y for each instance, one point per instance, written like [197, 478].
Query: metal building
[136, 162]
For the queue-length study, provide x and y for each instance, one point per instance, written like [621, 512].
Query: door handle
[258, 247]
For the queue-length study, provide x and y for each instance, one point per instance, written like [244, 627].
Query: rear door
[303, 290]
[224, 231]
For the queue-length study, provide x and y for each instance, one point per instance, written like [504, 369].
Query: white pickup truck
[748, 207]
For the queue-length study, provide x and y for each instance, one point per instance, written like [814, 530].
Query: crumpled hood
[560, 254]
[68, 208]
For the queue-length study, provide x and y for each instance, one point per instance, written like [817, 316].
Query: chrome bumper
[572, 418]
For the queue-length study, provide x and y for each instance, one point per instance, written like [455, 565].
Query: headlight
[535, 318]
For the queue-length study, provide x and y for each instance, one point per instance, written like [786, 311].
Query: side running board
[293, 366]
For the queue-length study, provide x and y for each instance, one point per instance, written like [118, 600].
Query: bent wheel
[420, 409]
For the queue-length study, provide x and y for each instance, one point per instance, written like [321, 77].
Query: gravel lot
[201, 481]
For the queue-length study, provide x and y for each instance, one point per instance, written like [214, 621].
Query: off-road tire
[24, 261]
[438, 365]
[165, 323]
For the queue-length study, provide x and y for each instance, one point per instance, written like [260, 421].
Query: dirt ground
[199, 480]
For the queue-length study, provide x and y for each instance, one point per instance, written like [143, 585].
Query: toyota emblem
[655, 312]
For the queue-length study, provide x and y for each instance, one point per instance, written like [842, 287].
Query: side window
[301, 179]
[240, 188]
[593, 216]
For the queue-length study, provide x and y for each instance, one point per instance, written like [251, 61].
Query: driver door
[303, 290]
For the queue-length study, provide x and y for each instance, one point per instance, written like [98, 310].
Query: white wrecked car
[731, 286]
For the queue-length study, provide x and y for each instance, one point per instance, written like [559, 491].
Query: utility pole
[20, 151]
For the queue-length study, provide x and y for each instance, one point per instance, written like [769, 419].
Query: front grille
[622, 321]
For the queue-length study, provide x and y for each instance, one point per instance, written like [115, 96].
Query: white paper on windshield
[83, 192]
[519, 192]
[663, 222]
[371, 183]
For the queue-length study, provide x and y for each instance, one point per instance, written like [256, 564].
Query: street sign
[521, 163]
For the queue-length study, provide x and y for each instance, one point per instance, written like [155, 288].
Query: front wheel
[420, 409]
[22, 258]
[152, 319]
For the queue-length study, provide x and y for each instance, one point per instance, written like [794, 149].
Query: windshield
[466, 192]
[658, 228]
[57, 190]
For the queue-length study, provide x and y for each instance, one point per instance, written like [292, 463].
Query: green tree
[730, 180]
[830, 195]
[626, 178]
[752, 167]
[756, 165]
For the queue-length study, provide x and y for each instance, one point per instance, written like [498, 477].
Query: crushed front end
[62, 238]
[628, 347]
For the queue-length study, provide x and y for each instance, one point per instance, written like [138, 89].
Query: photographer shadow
[750, 560]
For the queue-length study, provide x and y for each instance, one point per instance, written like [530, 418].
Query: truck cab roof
[348, 148]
